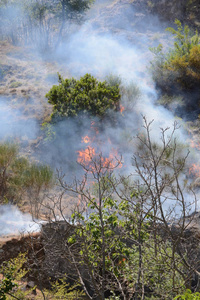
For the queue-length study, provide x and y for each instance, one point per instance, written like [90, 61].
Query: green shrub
[178, 70]
[11, 285]
[188, 295]
[86, 95]
[60, 289]
[18, 175]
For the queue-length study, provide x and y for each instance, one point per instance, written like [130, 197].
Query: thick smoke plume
[105, 55]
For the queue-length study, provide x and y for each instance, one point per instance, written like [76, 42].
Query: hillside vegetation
[187, 11]
[132, 230]
[176, 72]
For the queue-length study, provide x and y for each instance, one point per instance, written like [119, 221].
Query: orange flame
[195, 144]
[195, 170]
[86, 139]
[89, 158]
[122, 261]
[122, 108]
[85, 156]
[94, 127]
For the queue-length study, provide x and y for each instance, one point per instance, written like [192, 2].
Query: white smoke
[13, 221]
[14, 124]
[102, 54]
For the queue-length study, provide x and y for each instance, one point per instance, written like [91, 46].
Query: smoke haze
[13, 221]
[13, 123]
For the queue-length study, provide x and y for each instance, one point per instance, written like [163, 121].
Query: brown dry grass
[25, 80]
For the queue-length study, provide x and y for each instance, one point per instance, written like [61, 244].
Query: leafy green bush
[178, 70]
[86, 95]
[60, 289]
[11, 286]
[188, 295]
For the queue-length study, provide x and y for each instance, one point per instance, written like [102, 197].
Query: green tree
[127, 245]
[39, 23]
[177, 70]
[86, 95]
[103, 254]
[117, 247]
[72, 10]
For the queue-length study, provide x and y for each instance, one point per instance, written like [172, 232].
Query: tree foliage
[60, 290]
[188, 295]
[39, 23]
[129, 237]
[177, 70]
[86, 95]
[13, 273]
[73, 9]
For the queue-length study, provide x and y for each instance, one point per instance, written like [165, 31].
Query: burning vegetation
[194, 170]
[85, 157]
[98, 150]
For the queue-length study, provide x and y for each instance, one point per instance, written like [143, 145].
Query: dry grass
[25, 81]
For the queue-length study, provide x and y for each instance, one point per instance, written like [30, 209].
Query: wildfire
[85, 156]
[122, 108]
[94, 127]
[195, 170]
[93, 157]
[86, 139]
[92, 160]
[195, 144]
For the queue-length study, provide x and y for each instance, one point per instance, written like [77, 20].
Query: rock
[30, 284]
